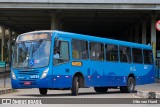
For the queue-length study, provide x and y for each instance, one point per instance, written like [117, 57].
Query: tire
[75, 86]
[101, 89]
[130, 86]
[43, 91]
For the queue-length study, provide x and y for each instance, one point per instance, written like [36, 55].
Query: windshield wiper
[37, 45]
[24, 48]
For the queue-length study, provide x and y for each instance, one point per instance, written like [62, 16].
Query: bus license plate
[27, 83]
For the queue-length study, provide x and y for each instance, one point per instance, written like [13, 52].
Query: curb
[145, 94]
[5, 91]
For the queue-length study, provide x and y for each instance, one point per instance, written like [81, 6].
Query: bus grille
[28, 74]
[32, 72]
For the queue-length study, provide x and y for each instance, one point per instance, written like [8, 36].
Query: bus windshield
[31, 54]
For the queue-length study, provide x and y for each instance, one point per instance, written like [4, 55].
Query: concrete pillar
[144, 32]
[137, 33]
[2, 43]
[153, 29]
[55, 24]
[153, 33]
[9, 46]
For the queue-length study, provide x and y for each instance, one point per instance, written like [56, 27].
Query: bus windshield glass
[31, 54]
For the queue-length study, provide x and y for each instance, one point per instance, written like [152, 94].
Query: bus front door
[62, 64]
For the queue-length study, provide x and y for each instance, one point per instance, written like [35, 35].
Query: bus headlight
[13, 75]
[45, 72]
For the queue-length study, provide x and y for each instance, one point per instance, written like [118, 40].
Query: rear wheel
[43, 91]
[75, 86]
[101, 89]
[130, 86]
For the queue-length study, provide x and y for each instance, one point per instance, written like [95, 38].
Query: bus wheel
[75, 86]
[43, 91]
[130, 86]
[101, 89]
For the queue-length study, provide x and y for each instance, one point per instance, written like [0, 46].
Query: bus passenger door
[61, 63]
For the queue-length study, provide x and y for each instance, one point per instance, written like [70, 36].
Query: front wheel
[130, 86]
[43, 91]
[75, 86]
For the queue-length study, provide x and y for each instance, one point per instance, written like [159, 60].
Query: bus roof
[95, 39]
[104, 40]
[37, 32]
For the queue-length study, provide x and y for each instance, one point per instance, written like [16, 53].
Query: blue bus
[55, 60]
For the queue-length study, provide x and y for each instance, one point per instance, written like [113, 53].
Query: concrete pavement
[142, 90]
[148, 90]
[5, 88]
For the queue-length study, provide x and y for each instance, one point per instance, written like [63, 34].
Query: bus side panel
[106, 74]
[62, 77]
[93, 73]
[116, 74]
[148, 77]
[63, 74]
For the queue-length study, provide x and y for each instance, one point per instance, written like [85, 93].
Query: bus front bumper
[49, 82]
[39, 83]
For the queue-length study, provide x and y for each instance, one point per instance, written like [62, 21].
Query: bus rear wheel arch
[130, 85]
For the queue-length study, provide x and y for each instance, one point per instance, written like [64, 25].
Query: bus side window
[147, 56]
[79, 49]
[63, 51]
[75, 54]
[137, 55]
[111, 52]
[125, 54]
[96, 51]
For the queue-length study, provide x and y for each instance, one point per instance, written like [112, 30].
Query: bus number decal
[133, 68]
[34, 76]
[145, 66]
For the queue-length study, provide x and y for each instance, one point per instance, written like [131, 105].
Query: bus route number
[34, 76]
